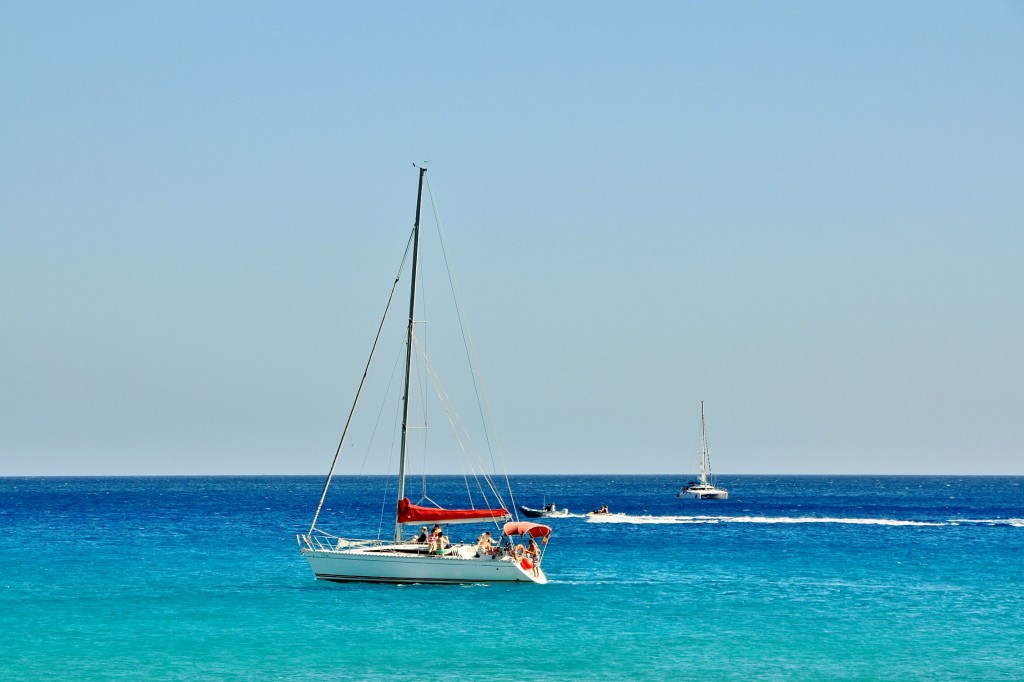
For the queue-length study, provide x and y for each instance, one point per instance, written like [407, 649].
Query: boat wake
[1014, 523]
[643, 519]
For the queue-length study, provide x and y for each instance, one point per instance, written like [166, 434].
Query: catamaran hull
[376, 567]
[703, 494]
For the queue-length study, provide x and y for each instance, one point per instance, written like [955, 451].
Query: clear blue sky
[810, 215]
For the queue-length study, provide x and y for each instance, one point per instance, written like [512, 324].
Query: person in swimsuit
[436, 539]
[533, 551]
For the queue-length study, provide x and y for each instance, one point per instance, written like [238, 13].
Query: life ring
[520, 552]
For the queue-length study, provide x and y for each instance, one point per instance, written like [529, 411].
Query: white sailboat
[704, 488]
[516, 557]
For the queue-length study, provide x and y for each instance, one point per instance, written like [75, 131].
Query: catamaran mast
[704, 447]
[408, 352]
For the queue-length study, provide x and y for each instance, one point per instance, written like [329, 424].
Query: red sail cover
[413, 513]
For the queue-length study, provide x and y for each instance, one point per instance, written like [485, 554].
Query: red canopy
[413, 513]
[523, 528]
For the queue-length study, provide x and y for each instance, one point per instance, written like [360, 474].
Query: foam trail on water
[854, 521]
[1016, 523]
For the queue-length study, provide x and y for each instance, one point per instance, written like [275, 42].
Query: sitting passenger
[485, 543]
[436, 539]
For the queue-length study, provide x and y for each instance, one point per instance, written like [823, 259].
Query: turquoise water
[794, 578]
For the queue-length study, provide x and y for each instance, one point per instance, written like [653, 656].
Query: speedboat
[547, 512]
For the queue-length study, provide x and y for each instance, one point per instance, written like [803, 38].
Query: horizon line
[584, 475]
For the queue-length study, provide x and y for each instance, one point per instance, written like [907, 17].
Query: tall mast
[704, 447]
[408, 351]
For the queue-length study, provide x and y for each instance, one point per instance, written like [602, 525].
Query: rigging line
[704, 447]
[391, 458]
[459, 431]
[418, 351]
[461, 435]
[383, 404]
[416, 386]
[708, 451]
[419, 340]
[373, 438]
[362, 382]
[482, 403]
[422, 451]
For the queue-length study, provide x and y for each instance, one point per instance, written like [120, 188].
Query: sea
[792, 578]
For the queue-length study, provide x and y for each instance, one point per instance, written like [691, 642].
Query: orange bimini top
[536, 530]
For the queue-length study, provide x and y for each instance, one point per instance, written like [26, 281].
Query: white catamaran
[517, 554]
[705, 488]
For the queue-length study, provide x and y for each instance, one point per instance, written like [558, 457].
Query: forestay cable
[362, 381]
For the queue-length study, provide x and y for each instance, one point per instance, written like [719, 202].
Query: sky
[808, 215]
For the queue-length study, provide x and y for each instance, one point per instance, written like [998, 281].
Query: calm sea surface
[794, 578]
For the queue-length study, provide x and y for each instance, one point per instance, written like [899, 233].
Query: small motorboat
[547, 512]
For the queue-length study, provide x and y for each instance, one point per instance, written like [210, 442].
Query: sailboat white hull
[390, 564]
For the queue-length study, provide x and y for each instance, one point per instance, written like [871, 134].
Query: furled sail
[413, 513]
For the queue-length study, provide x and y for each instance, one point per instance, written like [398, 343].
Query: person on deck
[438, 540]
[485, 544]
[533, 551]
